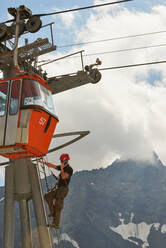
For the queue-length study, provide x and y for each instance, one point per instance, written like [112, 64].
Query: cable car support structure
[28, 119]
[25, 118]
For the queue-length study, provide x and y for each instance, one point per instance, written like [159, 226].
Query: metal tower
[22, 180]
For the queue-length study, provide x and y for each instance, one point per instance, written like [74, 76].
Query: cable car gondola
[27, 117]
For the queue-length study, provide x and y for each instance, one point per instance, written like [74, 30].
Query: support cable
[111, 39]
[124, 50]
[113, 68]
[102, 53]
[133, 65]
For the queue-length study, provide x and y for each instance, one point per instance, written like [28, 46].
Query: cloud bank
[125, 112]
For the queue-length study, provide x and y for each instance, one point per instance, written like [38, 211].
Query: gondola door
[12, 113]
[4, 91]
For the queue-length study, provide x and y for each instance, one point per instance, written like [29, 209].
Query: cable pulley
[33, 24]
[95, 75]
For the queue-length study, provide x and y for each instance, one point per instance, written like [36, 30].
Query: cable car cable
[133, 65]
[111, 39]
[76, 9]
[118, 67]
[83, 8]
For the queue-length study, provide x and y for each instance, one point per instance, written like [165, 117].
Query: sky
[125, 111]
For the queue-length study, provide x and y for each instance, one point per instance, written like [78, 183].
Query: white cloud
[125, 114]
[67, 19]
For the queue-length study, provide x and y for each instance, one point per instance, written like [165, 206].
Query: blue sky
[61, 35]
[51, 6]
[125, 112]
[145, 5]
[48, 6]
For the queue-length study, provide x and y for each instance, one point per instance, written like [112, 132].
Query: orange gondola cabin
[27, 117]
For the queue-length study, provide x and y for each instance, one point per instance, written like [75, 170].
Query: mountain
[121, 206]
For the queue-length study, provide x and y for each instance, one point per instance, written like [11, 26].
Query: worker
[55, 197]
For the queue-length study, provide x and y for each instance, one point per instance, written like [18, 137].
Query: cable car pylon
[28, 121]
[28, 118]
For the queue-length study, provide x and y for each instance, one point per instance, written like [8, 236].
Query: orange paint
[41, 130]
[39, 137]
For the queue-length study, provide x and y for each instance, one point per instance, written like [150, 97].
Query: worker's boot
[54, 223]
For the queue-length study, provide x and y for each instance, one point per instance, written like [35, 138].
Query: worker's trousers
[55, 200]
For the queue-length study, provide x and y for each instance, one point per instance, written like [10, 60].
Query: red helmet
[64, 156]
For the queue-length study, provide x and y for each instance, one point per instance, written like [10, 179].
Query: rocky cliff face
[123, 205]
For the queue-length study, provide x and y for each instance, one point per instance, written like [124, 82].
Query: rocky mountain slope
[121, 206]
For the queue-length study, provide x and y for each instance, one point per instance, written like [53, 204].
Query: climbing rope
[45, 176]
[57, 234]
[49, 173]
[43, 171]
